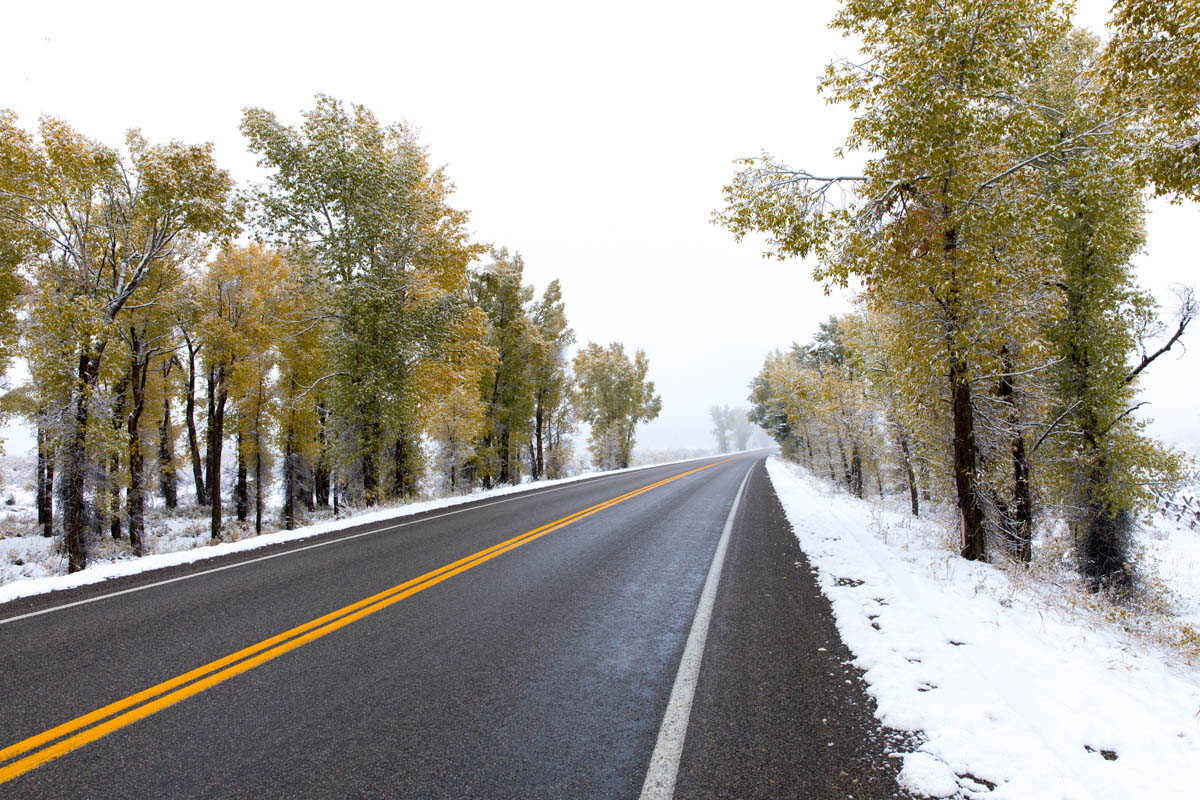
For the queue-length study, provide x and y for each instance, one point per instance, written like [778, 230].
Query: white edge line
[289, 551]
[664, 762]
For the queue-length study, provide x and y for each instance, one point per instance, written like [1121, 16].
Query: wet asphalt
[542, 673]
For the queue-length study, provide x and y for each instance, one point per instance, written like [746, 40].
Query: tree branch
[1187, 312]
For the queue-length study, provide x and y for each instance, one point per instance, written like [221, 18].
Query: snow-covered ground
[32, 564]
[1016, 686]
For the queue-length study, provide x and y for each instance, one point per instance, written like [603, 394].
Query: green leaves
[613, 394]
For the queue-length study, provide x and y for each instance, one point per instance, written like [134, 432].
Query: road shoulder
[778, 710]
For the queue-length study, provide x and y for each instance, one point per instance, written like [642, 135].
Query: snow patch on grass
[1016, 688]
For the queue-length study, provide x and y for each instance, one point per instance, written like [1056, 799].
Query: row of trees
[732, 428]
[1000, 332]
[354, 338]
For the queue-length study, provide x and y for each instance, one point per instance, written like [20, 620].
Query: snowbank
[1012, 697]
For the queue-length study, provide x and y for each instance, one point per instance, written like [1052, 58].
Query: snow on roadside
[1012, 699]
[30, 577]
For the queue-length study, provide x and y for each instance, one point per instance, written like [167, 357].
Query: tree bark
[114, 501]
[974, 540]
[75, 516]
[45, 479]
[539, 461]
[289, 478]
[910, 474]
[258, 492]
[1021, 525]
[135, 498]
[321, 477]
[241, 488]
[168, 483]
[190, 417]
[856, 471]
[506, 470]
[404, 483]
[214, 443]
[846, 478]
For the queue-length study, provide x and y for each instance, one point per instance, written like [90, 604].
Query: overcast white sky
[592, 138]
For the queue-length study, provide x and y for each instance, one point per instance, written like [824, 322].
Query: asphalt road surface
[510, 648]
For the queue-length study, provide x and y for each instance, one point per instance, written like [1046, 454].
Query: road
[510, 648]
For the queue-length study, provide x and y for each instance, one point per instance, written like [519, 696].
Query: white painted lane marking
[288, 552]
[664, 763]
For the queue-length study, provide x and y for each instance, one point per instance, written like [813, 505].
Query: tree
[723, 423]
[1151, 75]
[1103, 460]
[992, 229]
[613, 395]
[304, 431]
[101, 223]
[243, 301]
[360, 202]
[743, 429]
[938, 99]
[551, 384]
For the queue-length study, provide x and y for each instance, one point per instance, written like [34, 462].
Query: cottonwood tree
[743, 429]
[613, 394]
[723, 422]
[360, 199]
[508, 390]
[1150, 72]
[149, 340]
[551, 374]
[937, 99]
[1102, 460]
[992, 229]
[243, 301]
[100, 223]
[303, 429]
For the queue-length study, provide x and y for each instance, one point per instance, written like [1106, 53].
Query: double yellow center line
[51, 744]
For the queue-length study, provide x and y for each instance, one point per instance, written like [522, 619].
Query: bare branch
[1187, 312]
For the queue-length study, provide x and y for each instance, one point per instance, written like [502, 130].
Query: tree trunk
[856, 471]
[506, 470]
[167, 482]
[403, 456]
[910, 474]
[308, 488]
[1020, 527]
[289, 479]
[974, 540]
[846, 478]
[114, 502]
[45, 479]
[370, 478]
[214, 443]
[321, 482]
[75, 516]
[336, 489]
[1105, 541]
[241, 488]
[193, 441]
[539, 460]
[258, 492]
[135, 498]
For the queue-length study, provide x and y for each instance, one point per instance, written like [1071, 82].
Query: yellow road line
[190, 683]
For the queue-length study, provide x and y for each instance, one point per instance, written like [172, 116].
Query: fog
[593, 139]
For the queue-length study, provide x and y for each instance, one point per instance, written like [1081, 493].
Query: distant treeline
[354, 338]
